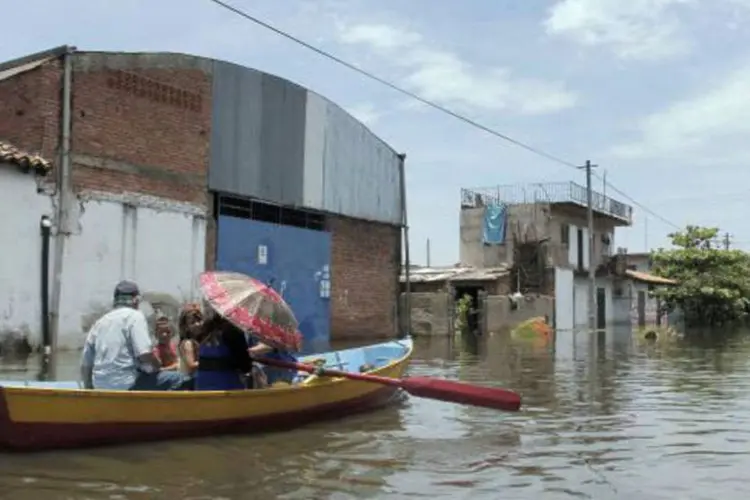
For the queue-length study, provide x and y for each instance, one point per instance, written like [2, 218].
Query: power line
[427, 102]
[642, 207]
[391, 85]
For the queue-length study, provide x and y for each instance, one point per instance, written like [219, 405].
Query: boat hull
[43, 418]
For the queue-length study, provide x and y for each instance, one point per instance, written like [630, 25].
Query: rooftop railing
[553, 192]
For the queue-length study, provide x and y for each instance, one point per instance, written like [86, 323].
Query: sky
[654, 92]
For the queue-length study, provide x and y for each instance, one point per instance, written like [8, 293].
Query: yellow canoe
[52, 415]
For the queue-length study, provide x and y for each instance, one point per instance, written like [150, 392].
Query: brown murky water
[605, 417]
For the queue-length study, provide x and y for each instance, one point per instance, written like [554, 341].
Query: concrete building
[541, 232]
[169, 164]
[435, 291]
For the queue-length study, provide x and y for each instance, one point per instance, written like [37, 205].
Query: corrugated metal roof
[11, 154]
[439, 274]
[23, 68]
[649, 278]
[13, 67]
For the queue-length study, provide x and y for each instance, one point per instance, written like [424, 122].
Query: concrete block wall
[430, 314]
[501, 318]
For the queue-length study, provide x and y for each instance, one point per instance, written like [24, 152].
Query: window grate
[244, 208]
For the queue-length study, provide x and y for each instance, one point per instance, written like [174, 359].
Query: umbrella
[252, 306]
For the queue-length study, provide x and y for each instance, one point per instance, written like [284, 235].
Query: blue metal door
[295, 261]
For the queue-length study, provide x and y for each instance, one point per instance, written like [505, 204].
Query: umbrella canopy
[252, 306]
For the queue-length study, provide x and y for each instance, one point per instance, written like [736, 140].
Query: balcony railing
[554, 192]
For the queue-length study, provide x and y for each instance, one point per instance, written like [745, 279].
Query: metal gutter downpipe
[64, 194]
[405, 230]
[45, 225]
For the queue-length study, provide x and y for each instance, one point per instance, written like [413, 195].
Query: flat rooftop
[553, 193]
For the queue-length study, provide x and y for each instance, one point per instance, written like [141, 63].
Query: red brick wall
[30, 109]
[135, 128]
[152, 125]
[364, 278]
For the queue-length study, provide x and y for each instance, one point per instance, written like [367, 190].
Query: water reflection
[606, 416]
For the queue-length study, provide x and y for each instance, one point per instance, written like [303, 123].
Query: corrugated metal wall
[361, 177]
[257, 135]
[315, 143]
[275, 141]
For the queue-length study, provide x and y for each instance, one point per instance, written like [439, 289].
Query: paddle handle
[423, 387]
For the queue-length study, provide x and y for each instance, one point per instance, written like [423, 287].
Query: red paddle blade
[461, 393]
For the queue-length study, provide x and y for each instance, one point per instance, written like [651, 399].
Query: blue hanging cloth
[494, 224]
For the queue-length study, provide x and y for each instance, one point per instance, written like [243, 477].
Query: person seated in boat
[118, 351]
[189, 327]
[274, 375]
[223, 360]
[165, 350]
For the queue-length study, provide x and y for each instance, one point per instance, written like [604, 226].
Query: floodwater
[606, 416]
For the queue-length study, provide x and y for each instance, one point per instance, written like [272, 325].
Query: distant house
[644, 309]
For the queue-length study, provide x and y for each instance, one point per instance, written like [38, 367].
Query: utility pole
[592, 267]
[645, 233]
[727, 242]
[428, 252]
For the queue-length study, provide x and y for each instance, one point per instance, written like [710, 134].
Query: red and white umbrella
[253, 307]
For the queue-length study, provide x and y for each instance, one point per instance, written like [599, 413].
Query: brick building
[166, 164]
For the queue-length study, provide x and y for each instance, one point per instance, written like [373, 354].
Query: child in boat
[189, 325]
[165, 350]
[273, 374]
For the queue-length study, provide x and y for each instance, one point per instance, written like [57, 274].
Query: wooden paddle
[422, 387]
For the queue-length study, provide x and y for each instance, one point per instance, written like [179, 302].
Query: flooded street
[604, 418]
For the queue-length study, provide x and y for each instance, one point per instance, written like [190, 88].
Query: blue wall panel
[295, 261]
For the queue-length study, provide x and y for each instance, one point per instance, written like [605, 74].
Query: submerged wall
[20, 265]
[159, 244]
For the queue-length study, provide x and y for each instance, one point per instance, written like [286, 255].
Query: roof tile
[23, 159]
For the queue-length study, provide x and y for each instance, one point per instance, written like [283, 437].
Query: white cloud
[366, 113]
[711, 127]
[442, 76]
[632, 29]
[379, 36]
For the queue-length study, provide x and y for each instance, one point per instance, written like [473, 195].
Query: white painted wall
[20, 265]
[586, 249]
[581, 304]
[573, 245]
[609, 306]
[156, 243]
[160, 244]
[564, 299]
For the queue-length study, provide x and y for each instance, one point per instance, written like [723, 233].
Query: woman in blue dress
[223, 359]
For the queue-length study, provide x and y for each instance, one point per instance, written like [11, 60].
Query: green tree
[713, 284]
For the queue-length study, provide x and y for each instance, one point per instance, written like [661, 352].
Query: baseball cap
[126, 289]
